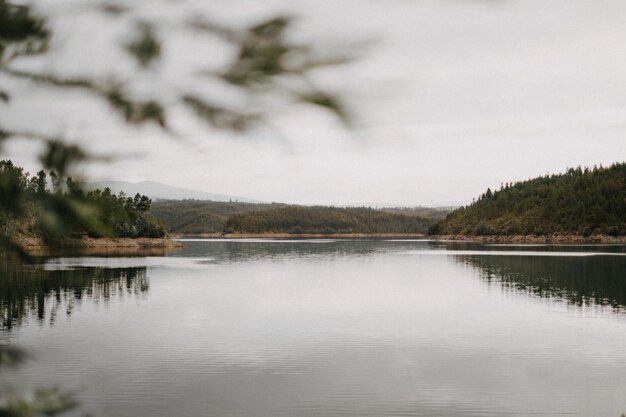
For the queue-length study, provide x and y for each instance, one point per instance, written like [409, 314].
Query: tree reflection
[579, 280]
[30, 291]
[234, 251]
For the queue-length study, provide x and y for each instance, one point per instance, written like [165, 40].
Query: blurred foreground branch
[265, 71]
[265, 68]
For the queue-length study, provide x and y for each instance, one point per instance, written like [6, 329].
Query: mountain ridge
[159, 191]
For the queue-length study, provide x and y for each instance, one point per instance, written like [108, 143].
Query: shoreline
[95, 246]
[512, 239]
[35, 246]
[347, 236]
[534, 239]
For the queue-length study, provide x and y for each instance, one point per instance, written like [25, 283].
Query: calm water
[326, 328]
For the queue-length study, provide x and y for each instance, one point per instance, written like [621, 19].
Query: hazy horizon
[178, 193]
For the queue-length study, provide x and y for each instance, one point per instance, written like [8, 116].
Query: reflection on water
[221, 251]
[568, 273]
[581, 275]
[31, 291]
[579, 280]
[328, 328]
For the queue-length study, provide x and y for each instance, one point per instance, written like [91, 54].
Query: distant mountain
[158, 191]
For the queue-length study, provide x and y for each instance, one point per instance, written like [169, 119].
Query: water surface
[327, 328]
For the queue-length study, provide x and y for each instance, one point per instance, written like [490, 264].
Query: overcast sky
[450, 97]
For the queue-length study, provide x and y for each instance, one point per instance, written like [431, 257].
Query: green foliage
[434, 213]
[146, 48]
[330, 102]
[42, 402]
[21, 33]
[135, 112]
[26, 203]
[434, 229]
[13, 183]
[123, 216]
[584, 201]
[261, 50]
[264, 64]
[615, 231]
[60, 157]
[198, 217]
[28, 206]
[221, 117]
[325, 220]
[48, 401]
[483, 229]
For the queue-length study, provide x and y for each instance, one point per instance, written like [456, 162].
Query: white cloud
[453, 97]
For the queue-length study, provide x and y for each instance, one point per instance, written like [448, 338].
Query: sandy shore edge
[37, 246]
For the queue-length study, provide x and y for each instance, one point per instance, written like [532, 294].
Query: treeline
[48, 206]
[324, 220]
[434, 213]
[580, 201]
[195, 217]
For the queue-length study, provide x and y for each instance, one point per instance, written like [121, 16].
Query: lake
[326, 328]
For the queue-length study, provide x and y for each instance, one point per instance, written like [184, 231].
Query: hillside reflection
[578, 280]
[235, 251]
[29, 292]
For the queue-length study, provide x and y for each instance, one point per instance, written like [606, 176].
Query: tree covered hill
[433, 213]
[198, 217]
[326, 220]
[580, 201]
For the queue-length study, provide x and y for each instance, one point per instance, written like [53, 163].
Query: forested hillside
[326, 220]
[434, 213]
[200, 216]
[580, 201]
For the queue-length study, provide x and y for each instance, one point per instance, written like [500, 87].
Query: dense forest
[580, 201]
[47, 206]
[325, 220]
[433, 213]
[196, 217]
[199, 217]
